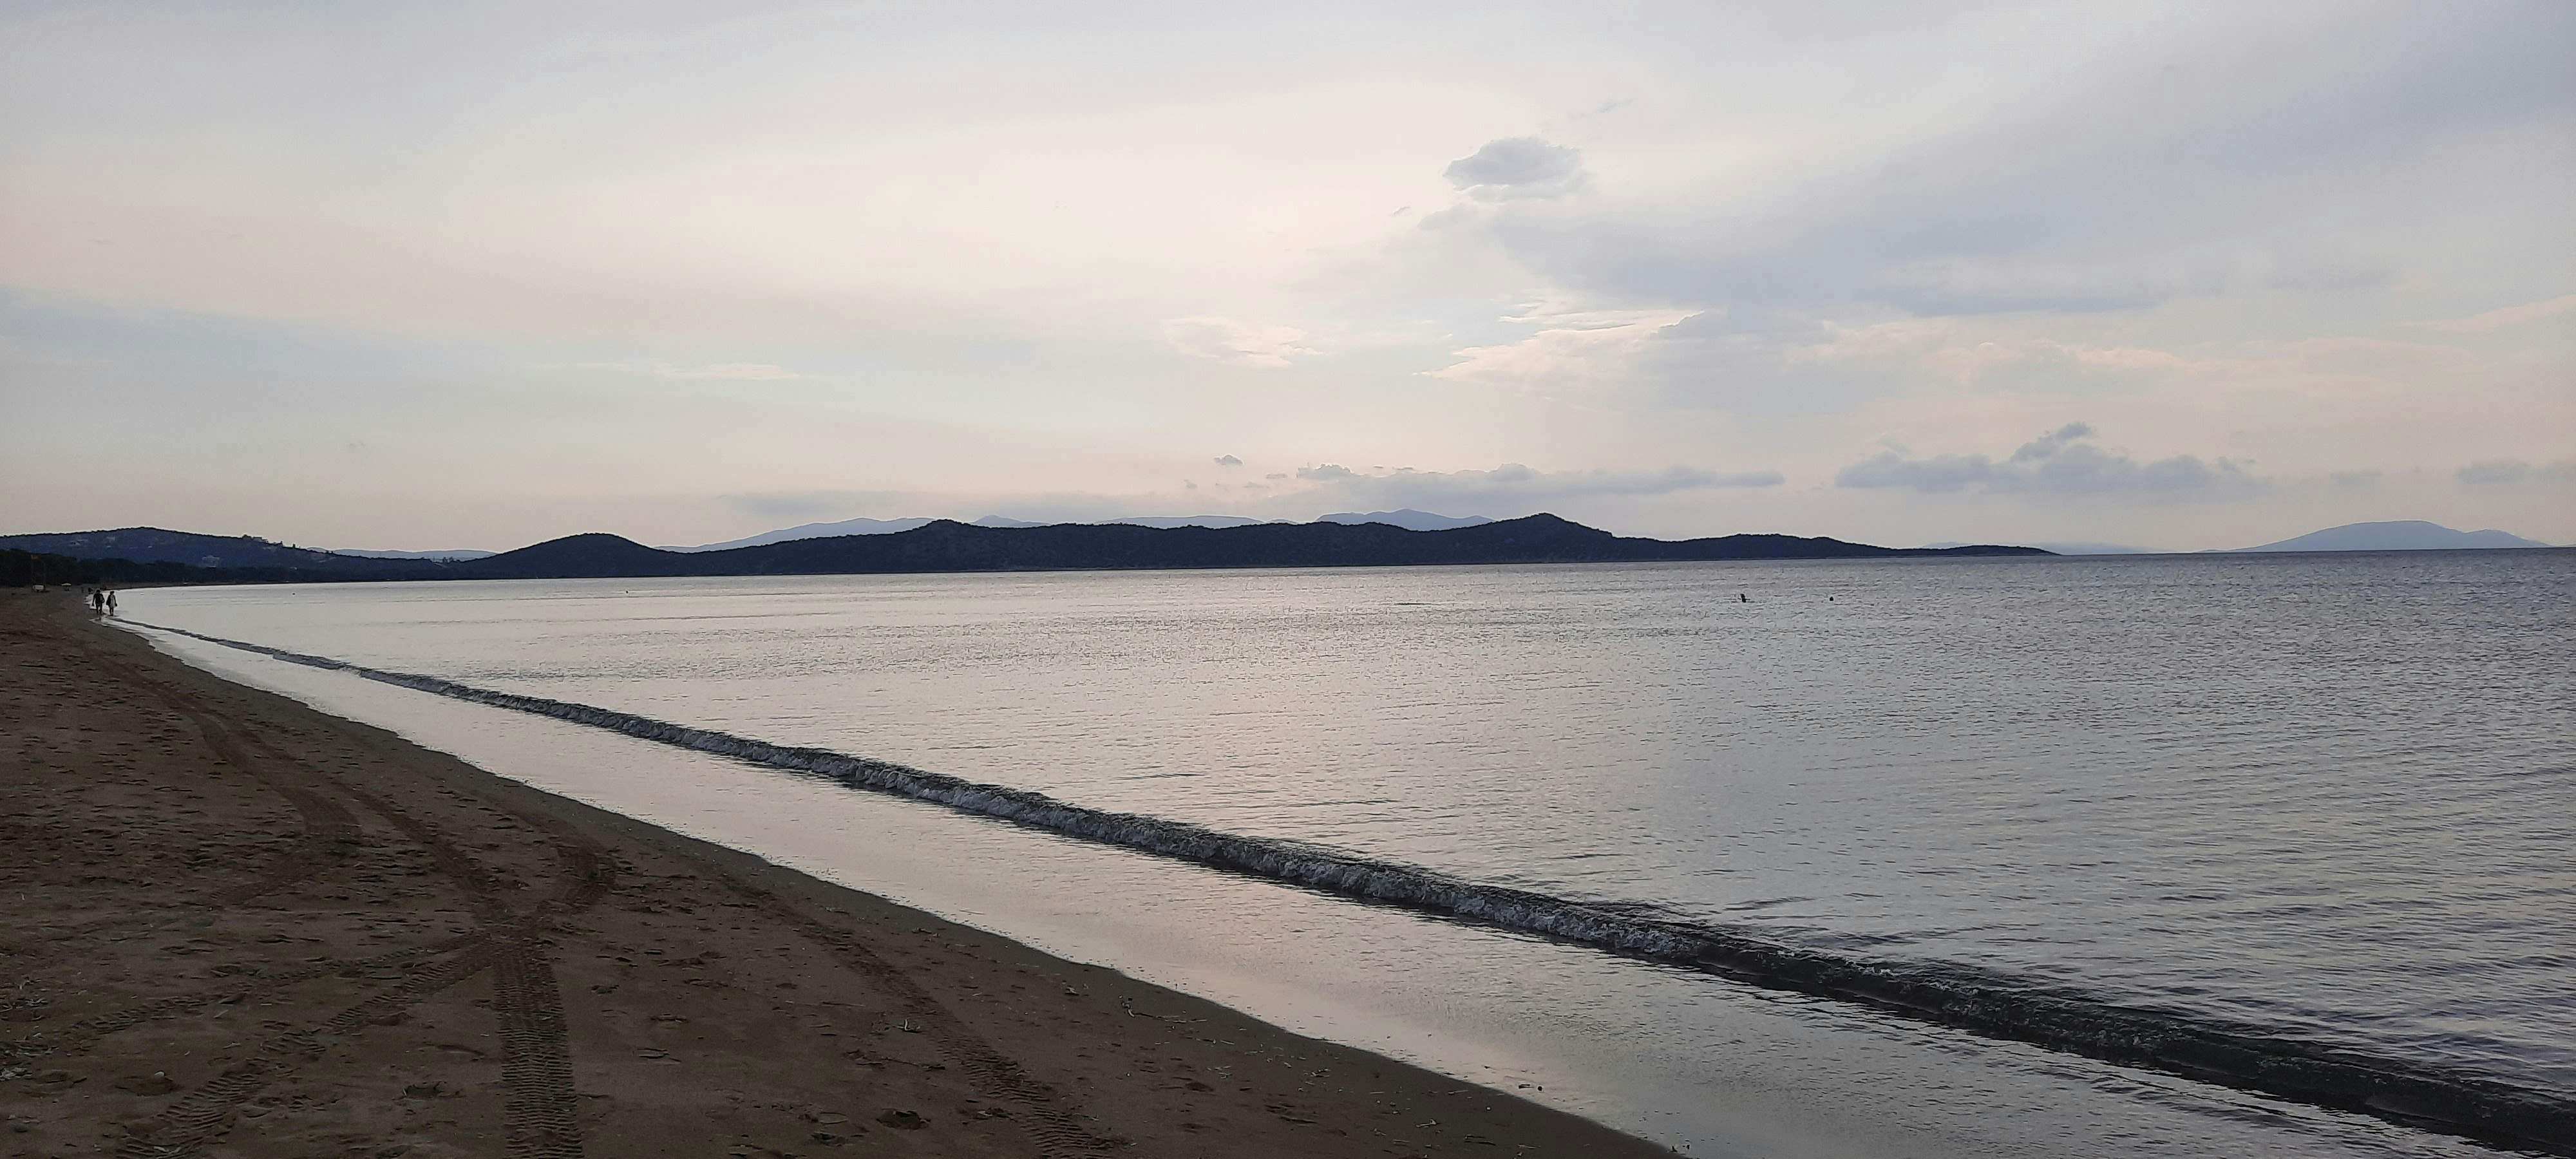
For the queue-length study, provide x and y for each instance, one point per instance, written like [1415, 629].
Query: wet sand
[235, 925]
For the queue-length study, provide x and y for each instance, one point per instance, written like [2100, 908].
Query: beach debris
[903, 1120]
[155, 1083]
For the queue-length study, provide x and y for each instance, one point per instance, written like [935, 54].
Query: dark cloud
[1228, 461]
[1517, 167]
[2060, 462]
[1769, 363]
[2048, 445]
[1938, 473]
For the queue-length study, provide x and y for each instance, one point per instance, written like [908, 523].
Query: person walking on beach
[111, 601]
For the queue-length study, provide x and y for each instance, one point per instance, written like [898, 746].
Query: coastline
[236, 921]
[2224, 1054]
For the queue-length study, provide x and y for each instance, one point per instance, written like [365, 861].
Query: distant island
[2058, 548]
[2397, 535]
[1406, 518]
[155, 555]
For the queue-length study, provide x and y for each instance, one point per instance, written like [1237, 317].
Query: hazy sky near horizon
[474, 275]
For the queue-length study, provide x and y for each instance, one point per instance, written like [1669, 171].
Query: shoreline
[2238, 1056]
[237, 921]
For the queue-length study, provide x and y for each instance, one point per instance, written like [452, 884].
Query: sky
[476, 275]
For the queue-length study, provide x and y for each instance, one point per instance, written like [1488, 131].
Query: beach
[238, 925]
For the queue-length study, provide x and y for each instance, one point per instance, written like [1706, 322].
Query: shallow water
[2321, 794]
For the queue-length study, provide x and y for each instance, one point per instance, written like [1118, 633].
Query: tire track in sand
[1051, 1125]
[540, 1112]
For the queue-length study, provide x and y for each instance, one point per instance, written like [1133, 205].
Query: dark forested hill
[947, 545]
[154, 545]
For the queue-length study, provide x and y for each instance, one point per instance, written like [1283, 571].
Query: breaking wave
[1969, 998]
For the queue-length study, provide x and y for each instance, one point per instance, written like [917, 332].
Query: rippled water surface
[2328, 794]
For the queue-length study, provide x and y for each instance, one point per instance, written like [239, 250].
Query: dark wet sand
[234, 925]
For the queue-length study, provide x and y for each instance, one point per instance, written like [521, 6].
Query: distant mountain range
[813, 531]
[948, 546]
[2400, 535]
[1407, 518]
[451, 553]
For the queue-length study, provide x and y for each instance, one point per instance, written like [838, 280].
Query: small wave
[1969, 998]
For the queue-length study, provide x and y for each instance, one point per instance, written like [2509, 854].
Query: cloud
[1518, 167]
[2494, 320]
[1228, 461]
[1236, 343]
[747, 371]
[1572, 351]
[2508, 472]
[2184, 162]
[2060, 462]
[1786, 363]
[1950, 287]
[1513, 486]
[755, 371]
[2048, 445]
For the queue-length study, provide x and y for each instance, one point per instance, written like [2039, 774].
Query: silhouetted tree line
[28, 568]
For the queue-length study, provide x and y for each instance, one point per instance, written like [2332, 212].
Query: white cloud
[1513, 487]
[1573, 350]
[1236, 343]
[2494, 320]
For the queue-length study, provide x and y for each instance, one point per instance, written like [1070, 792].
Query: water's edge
[1978, 1000]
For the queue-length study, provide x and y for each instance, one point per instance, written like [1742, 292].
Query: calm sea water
[2325, 794]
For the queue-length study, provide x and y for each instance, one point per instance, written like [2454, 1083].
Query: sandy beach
[235, 925]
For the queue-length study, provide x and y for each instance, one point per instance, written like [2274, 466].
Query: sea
[2317, 800]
